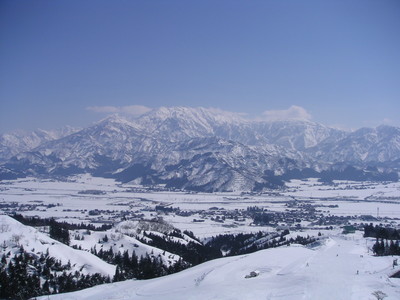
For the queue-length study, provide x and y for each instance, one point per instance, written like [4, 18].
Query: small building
[348, 229]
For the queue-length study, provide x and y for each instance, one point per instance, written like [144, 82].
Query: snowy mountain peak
[207, 149]
[183, 112]
[20, 141]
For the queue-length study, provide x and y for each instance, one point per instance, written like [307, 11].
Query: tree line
[37, 222]
[25, 275]
[245, 243]
[387, 239]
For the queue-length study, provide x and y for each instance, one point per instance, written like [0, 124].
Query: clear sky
[72, 62]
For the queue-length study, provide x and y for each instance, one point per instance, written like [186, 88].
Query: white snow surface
[351, 198]
[327, 272]
[120, 243]
[13, 234]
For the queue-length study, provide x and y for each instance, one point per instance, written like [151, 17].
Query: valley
[301, 226]
[100, 201]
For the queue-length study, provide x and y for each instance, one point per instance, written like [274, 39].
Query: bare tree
[379, 295]
[16, 238]
[4, 228]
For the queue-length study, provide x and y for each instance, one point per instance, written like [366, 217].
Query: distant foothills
[201, 149]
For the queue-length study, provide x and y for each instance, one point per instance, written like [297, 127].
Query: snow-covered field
[73, 200]
[342, 268]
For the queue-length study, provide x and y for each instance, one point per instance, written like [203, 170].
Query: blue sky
[72, 62]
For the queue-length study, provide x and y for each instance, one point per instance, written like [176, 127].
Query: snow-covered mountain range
[20, 141]
[206, 149]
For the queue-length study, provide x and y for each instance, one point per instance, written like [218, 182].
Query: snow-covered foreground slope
[125, 238]
[342, 268]
[13, 235]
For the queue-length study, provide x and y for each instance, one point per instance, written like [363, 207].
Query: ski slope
[327, 272]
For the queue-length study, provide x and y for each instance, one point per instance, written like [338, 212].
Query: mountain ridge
[210, 150]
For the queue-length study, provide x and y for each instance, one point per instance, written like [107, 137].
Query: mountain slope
[210, 150]
[14, 235]
[21, 141]
[286, 273]
[379, 144]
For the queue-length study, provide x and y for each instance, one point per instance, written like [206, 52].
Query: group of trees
[131, 266]
[150, 266]
[36, 222]
[382, 247]
[244, 243]
[262, 219]
[234, 244]
[192, 252]
[58, 232]
[380, 232]
[387, 239]
[146, 267]
[25, 275]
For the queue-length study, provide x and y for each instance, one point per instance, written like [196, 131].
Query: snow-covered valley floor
[340, 269]
[73, 200]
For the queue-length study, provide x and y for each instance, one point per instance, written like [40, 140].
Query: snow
[328, 272]
[351, 198]
[121, 243]
[360, 190]
[13, 234]
[209, 149]
[295, 272]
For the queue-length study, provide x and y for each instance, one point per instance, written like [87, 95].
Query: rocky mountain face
[381, 144]
[21, 141]
[208, 150]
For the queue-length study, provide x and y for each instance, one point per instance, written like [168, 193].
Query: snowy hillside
[14, 235]
[125, 237]
[340, 269]
[34, 264]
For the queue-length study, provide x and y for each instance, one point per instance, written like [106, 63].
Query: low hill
[15, 235]
[341, 268]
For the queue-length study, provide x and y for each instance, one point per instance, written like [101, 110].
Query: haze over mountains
[204, 149]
